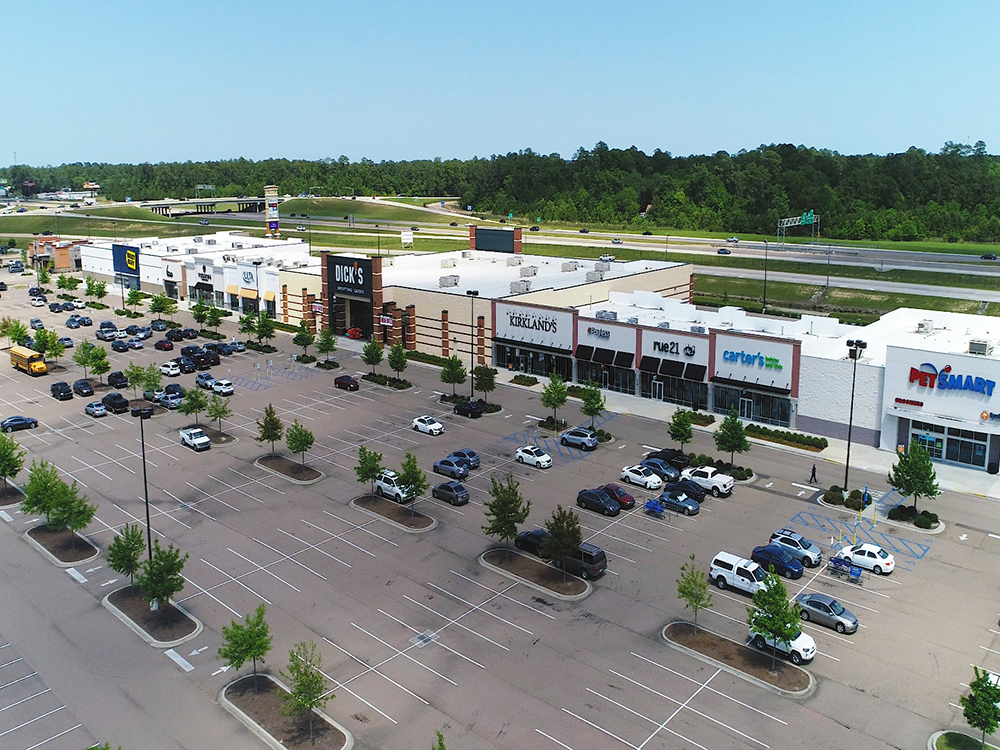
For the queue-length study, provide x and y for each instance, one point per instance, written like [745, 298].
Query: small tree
[326, 342]
[199, 311]
[153, 378]
[11, 459]
[506, 510]
[304, 337]
[247, 642]
[593, 402]
[731, 437]
[89, 286]
[980, 707]
[369, 466]
[680, 427]
[299, 440]
[72, 282]
[5, 323]
[397, 358]
[554, 396]
[161, 576]
[17, 332]
[265, 328]
[56, 347]
[371, 355]
[100, 290]
[44, 338]
[213, 318]
[453, 373]
[772, 615]
[61, 282]
[72, 511]
[99, 364]
[913, 475]
[411, 475]
[693, 588]
[270, 428]
[564, 537]
[134, 299]
[125, 552]
[194, 402]
[42, 274]
[219, 409]
[485, 380]
[248, 325]
[308, 686]
[159, 305]
[84, 355]
[43, 490]
[136, 375]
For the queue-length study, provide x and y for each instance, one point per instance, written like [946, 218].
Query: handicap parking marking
[836, 527]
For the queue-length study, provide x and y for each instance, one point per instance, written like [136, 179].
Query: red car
[619, 495]
[346, 382]
[164, 345]
[354, 333]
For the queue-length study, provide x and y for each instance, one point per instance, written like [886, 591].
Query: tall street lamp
[765, 277]
[473, 293]
[256, 278]
[142, 413]
[855, 350]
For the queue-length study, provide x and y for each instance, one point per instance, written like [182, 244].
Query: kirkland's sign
[534, 325]
[928, 376]
[349, 277]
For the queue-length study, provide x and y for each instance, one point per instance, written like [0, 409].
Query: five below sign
[928, 376]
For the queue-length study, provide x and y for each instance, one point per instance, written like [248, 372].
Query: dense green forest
[953, 194]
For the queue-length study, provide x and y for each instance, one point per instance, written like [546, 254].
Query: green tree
[42, 274]
[199, 311]
[270, 428]
[72, 511]
[411, 475]
[731, 437]
[99, 364]
[161, 576]
[61, 281]
[72, 282]
[308, 686]
[554, 396]
[89, 289]
[160, 304]
[43, 490]
[5, 323]
[453, 373]
[11, 459]
[213, 318]
[326, 342]
[371, 355]
[981, 707]
[134, 299]
[17, 332]
[506, 510]
[84, 356]
[564, 537]
[265, 328]
[44, 338]
[304, 337]
[299, 440]
[125, 551]
[100, 290]
[153, 378]
[485, 380]
[593, 402]
[248, 324]
[680, 427]
[397, 358]
[219, 409]
[772, 615]
[439, 745]
[369, 466]
[913, 474]
[693, 588]
[250, 641]
[136, 375]
[194, 402]
[56, 348]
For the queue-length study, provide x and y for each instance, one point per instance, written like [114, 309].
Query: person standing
[812, 476]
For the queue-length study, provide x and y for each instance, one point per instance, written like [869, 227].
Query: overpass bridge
[202, 205]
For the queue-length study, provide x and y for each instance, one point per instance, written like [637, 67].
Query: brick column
[327, 312]
[411, 328]
[311, 316]
[284, 303]
[339, 317]
[481, 340]
[376, 294]
[445, 340]
[304, 309]
[397, 325]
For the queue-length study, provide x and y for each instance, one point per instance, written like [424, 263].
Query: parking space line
[406, 656]
[31, 721]
[257, 480]
[315, 547]
[208, 594]
[24, 700]
[550, 737]
[438, 643]
[138, 520]
[290, 558]
[234, 489]
[210, 496]
[188, 506]
[7, 664]
[361, 527]
[504, 596]
[455, 621]
[235, 580]
[53, 737]
[484, 611]
[339, 537]
[264, 569]
[19, 679]
[114, 461]
[610, 734]
[342, 686]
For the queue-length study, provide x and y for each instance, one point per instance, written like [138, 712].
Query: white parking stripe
[436, 642]
[53, 737]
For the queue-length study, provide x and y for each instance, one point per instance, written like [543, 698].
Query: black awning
[529, 347]
[604, 356]
[203, 287]
[585, 353]
[751, 386]
[672, 368]
[695, 372]
[649, 364]
[624, 359]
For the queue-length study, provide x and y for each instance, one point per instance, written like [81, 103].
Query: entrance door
[746, 408]
[605, 377]
[658, 390]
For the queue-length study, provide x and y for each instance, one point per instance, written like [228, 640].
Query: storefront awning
[751, 386]
[529, 347]
[585, 353]
[201, 286]
[671, 368]
[269, 296]
[233, 289]
[604, 356]
[624, 359]
[248, 293]
[649, 364]
[695, 372]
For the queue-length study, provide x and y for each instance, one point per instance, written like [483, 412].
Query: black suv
[676, 458]
[201, 361]
[186, 364]
[175, 335]
[588, 562]
[116, 403]
[191, 350]
[61, 391]
[83, 388]
[117, 379]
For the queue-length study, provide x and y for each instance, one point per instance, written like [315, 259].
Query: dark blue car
[13, 424]
[773, 556]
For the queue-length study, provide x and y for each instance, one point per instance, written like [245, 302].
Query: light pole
[142, 413]
[765, 277]
[855, 348]
[256, 278]
[473, 293]
[378, 239]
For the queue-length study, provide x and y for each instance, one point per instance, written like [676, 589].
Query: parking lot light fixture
[142, 413]
[473, 293]
[855, 350]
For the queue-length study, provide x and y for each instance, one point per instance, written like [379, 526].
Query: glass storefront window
[618, 379]
[532, 362]
[688, 393]
[766, 408]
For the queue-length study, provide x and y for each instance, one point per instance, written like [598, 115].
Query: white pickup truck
[196, 438]
[710, 479]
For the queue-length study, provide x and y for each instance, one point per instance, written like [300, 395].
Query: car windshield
[616, 491]
[757, 573]
[837, 607]
[806, 544]
[645, 472]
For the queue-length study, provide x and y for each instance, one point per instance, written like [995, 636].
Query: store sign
[753, 360]
[675, 345]
[928, 376]
[534, 325]
[385, 320]
[125, 259]
[990, 416]
[205, 276]
[248, 275]
[911, 402]
[351, 277]
[601, 333]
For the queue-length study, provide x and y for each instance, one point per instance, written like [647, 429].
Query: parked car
[583, 438]
[388, 484]
[452, 467]
[771, 556]
[61, 391]
[223, 387]
[144, 332]
[158, 325]
[174, 388]
[186, 364]
[597, 501]
[72, 322]
[531, 541]
[105, 334]
[36, 324]
[204, 380]
[37, 301]
[85, 321]
[641, 475]
[470, 409]
[736, 572]
[170, 400]
[469, 456]
[117, 379]
[15, 423]
[189, 333]
[154, 394]
[67, 307]
[589, 561]
[132, 330]
[346, 382]
[55, 307]
[798, 547]
[225, 349]
[118, 345]
[801, 649]
[662, 469]
[164, 345]
[532, 454]
[239, 346]
[170, 369]
[870, 557]
[116, 403]
[619, 495]
[35, 291]
[825, 610]
[195, 438]
[83, 388]
[428, 425]
[714, 481]
[79, 304]
[96, 409]
[678, 502]
[191, 350]
[175, 335]
[66, 341]
[451, 492]
[693, 490]
[673, 456]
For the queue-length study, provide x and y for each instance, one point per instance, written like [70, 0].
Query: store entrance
[746, 408]
[657, 390]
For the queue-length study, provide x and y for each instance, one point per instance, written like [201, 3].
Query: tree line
[953, 194]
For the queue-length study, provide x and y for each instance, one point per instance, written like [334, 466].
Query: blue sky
[177, 81]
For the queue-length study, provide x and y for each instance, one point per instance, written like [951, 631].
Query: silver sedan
[826, 610]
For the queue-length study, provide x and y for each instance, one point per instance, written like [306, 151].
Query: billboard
[349, 277]
[125, 259]
[497, 240]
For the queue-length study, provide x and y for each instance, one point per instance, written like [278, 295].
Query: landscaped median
[405, 518]
[535, 574]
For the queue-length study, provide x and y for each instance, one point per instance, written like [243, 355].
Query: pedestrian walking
[812, 477]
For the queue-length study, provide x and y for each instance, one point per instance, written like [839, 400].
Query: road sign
[468, 208]
[808, 217]
[442, 204]
[510, 216]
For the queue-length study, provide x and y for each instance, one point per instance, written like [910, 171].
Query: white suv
[388, 485]
[800, 650]
[730, 570]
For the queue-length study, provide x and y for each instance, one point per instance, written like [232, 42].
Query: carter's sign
[753, 360]
[928, 376]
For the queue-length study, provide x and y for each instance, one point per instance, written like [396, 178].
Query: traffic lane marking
[436, 642]
[361, 527]
[316, 547]
[342, 686]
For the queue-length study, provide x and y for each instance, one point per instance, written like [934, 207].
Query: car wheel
[607, 512]
[687, 511]
[796, 659]
[804, 615]
[564, 441]
[715, 492]
[721, 583]
[520, 459]
[517, 544]
[626, 479]
[839, 627]
[437, 470]
[788, 574]
[877, 570]
[578, 502]
[758, 642]
[584, 575]
[378, 491]
[415, 428]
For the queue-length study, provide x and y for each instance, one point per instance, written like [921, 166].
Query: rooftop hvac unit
[982, 347]
[210, 242]
[606, 315]
[602, 266]
[466, 253]
[447, 281]
[520, 287]
[514, 260]
[199, 239]
[663, 324]
[633, 321]
[697, 329]
[925, 326]
[595, 275]
[570, 265]
[447, 263]
[529, 270]
[279, 263]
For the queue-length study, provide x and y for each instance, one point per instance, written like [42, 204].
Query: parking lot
[416, 636]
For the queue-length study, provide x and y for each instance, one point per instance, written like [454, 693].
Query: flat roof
[493, 273]
[231, 243]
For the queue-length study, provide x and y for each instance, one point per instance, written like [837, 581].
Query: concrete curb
[17, 504]
[55, 560]
[932, 740]
[532, 584]
[262, 733]
[939, 530]
[320, 478]
[736, 672]
[401, 527]
[134, 627]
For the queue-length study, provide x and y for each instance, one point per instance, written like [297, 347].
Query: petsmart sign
[754, 361]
